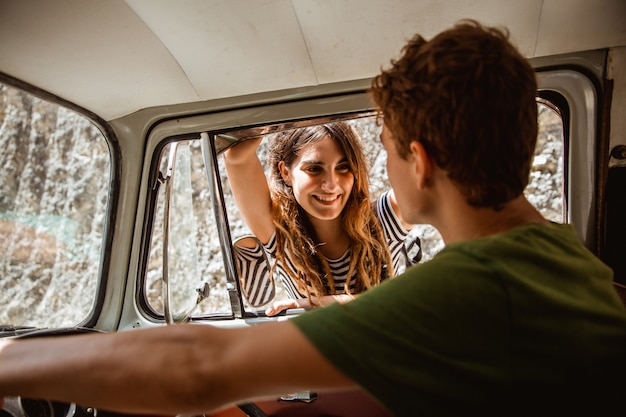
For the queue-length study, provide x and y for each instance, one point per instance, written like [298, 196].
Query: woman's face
[321, 179]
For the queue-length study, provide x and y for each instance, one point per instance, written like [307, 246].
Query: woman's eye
[343, 169]
[313, 169]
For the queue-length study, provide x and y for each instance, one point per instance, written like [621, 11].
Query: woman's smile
[327, 198]
[321, 179]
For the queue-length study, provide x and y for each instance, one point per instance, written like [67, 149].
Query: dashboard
[31, 407]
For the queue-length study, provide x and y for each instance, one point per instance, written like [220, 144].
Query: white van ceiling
[114, 57]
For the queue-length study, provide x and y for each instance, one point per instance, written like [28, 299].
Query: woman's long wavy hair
[295, 237]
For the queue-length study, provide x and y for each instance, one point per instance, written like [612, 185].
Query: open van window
[199, 194]
[54, 189]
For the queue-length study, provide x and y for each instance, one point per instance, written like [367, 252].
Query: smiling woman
[316, 217]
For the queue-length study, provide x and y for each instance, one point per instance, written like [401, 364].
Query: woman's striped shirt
[254, 270]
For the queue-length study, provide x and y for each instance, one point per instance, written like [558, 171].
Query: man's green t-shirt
[494, 325]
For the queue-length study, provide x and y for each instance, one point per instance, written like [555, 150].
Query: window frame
[115, 156]
[161, 134]
[576, 97]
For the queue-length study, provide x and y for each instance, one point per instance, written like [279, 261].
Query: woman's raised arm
[250, 188]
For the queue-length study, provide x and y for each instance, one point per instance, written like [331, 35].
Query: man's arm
[169, 370]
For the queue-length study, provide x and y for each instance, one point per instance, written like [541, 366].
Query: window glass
[546, 189]
[54, 187]
[195, 251]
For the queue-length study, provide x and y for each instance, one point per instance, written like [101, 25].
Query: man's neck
[466, 222]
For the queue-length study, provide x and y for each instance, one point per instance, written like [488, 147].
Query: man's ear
[423, 164]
